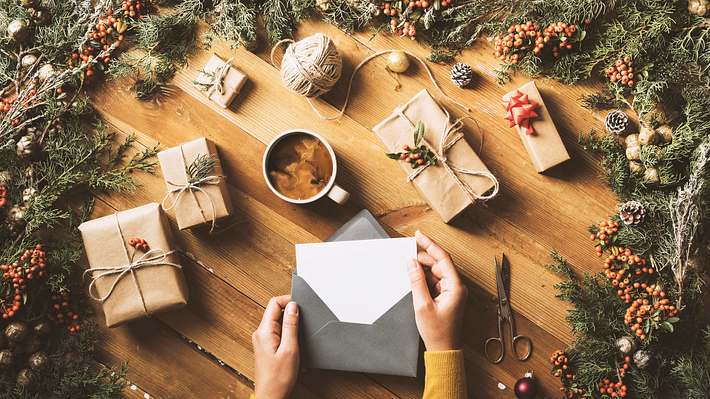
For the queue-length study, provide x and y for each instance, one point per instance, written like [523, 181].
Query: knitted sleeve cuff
[444, 363]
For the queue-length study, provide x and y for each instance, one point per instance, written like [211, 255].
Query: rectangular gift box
[106, 242]
[194, 208]
[436, 185]
[545, 146]
[233, 81]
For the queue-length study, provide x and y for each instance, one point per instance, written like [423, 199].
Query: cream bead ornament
[636, 167]
[699, 7]
[665, 132]
[397, 61]
[651, 176]
[633, 153]
[647, 136]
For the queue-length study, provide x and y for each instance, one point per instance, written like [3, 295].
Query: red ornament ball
[526, 387]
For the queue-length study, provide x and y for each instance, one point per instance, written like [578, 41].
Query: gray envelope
[390, 345]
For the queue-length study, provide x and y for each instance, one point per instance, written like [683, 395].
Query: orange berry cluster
[133, 8]
[107, 31]
[3, 196]
[627, 272]
[404, 14]
[6, 104]
[30, 266]
[561, 369]
[645, 314]
[622, 72]
[618, 389]
[139, 244]
[604, 236]
[63, 314]
[527, 37]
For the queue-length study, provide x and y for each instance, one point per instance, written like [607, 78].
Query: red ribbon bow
[520, 110]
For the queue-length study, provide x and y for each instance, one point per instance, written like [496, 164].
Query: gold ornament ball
[45, 72]
[18, 31]
[650, 175]
[699, 7]
[398, 61]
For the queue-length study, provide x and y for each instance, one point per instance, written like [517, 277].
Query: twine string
[172, 197]
[218, 80]
[324, 80]
[154, 257]
[450, 136]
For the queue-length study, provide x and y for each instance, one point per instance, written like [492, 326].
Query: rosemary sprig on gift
[418, 156]
[207, 82]
[200, 168]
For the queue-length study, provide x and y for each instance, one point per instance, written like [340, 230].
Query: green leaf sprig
[419, 155]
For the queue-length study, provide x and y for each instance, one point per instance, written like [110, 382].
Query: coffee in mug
[300, 167]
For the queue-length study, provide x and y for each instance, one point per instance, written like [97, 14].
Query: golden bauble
[636, 167]
[647, 135]
[665, 132]
[632, 140]
[698, 7]
[651, 176]
[398, 61]
[633, 153]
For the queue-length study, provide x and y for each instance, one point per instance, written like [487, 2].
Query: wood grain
[252, 259]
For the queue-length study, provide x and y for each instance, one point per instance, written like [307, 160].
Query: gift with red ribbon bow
[520, 110]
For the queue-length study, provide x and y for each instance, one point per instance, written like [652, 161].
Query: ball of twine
[312, 66]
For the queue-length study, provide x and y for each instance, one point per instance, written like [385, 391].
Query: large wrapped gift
[197, 197]
[458, 179]
[528, 113]
[133, 267]
[220, 81]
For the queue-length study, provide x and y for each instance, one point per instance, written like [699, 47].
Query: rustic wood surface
[204, 350]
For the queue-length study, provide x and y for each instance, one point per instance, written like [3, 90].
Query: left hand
[276, 353]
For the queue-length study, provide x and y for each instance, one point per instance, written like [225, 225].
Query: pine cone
[642, 358]
[26, 146]
[632, 212]
[616, 122]
[461, 74]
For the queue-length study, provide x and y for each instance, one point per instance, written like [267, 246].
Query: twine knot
[178, 190]
[219, 75]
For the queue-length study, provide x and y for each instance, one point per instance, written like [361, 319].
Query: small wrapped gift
[197, 189]
[454, 177]
[526, 111]
[220, 81]
[133, 267]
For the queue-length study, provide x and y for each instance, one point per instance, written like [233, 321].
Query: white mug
[332, 190]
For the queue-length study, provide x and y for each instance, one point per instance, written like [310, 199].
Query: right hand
[439, 309]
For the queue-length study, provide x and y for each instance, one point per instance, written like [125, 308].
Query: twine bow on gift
[192, 186]
[219, 75]
[152, 258]
[450, 136]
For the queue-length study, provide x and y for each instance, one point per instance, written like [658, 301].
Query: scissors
[505, 313]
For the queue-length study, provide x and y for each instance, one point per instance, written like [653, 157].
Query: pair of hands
[439, 298]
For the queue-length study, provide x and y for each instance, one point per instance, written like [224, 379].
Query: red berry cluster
[3, 196]
[139, 244]
[416, 156]
[603, 235]
[622, 72]
[627, 272]
[561, 369]
[527, 37]
[108, 31]
[650, 312]
[133, 8]
[6, 103]
[618, 389]
[64, 314]
[405, 14]
[30, 266]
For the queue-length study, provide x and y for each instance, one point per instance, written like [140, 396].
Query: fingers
[289, 334]
[420, 290]
[442, 266]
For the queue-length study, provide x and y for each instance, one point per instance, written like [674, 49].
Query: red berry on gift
[403, 156]
[139, 244]
[406, 147]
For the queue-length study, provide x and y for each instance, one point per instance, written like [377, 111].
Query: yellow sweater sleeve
[445, 376]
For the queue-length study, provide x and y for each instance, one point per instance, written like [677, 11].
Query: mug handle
[338, 195]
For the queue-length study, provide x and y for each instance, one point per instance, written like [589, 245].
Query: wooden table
[204, 351]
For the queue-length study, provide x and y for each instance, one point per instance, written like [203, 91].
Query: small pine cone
[461, 74]
[642, 358]
[632, 212]
[324, 5]
[26, 146]
[616, 122]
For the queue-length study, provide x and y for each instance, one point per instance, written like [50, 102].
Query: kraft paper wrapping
[194, 208]
[435, 184]
[163, 286]
[232, 83]
[545, 146]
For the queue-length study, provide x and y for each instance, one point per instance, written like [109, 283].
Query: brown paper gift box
[194, 208]
[435, 184]
[545, 146]
[106, 242]
[234, 80]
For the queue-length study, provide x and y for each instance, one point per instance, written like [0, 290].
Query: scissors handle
[489, 351]
[526, 343]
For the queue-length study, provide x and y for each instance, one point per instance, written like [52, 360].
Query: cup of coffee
[300, 167]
